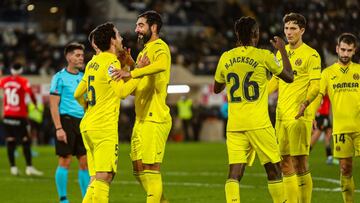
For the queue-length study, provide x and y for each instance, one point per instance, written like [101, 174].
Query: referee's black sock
[27, 152]
[11, 146]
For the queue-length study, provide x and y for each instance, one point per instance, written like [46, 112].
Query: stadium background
[34, 34]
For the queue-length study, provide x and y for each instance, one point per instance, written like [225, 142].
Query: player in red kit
[15, 118]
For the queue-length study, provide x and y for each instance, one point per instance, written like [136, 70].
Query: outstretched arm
[159, 65]
[312, 94]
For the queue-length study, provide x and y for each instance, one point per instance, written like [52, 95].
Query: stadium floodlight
[54, 9]
[177, 89]
[30, 7]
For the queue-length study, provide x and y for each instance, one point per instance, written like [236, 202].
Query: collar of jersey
[107, 54]
[150, 43]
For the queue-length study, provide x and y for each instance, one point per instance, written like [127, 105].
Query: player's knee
[287, 166]
[83, 162]
[104, 176]
[65, 161]
[346, 168]
[236, 171]
[273, 171]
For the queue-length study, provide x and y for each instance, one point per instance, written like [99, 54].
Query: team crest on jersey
[356, 76]
[110, 70]
[298, 62]
[276, 61]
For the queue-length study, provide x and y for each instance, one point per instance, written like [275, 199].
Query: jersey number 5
[91, 91]
[247, 86]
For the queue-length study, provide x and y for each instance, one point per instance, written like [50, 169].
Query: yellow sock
[291, 188]
[89, 193]
[276, 189]
[140, 177]
[347, 188]
[305, 187]
[101, 191]
[154, 186]
[232, 191]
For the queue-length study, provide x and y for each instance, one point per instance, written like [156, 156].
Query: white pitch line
[189, 184]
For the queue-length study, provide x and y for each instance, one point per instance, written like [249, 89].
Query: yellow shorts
[294, 136]
[101, 150]
[241, 146]
[148, 141]
[346, 145]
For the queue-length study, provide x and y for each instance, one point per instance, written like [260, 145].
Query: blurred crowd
[206, 30]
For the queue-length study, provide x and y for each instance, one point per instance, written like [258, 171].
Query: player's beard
[345, 60]
[145, 37]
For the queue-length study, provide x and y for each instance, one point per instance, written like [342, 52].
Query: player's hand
[119, 74]
[125, 57]
[143, 61]
[302, 109]
[314, 125]
[61, 135]
[278, 43]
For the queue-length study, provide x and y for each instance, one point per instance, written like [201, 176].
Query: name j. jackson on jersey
[241, 59]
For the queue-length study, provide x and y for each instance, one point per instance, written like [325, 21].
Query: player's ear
[302, 30]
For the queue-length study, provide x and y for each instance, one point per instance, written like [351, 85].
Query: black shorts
[16, 128]
[75, 144]
[323, 122]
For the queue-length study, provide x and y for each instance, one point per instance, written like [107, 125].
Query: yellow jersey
[151, 92]
[245, 71]
[306, 65]
[341, 83]
[103, 94]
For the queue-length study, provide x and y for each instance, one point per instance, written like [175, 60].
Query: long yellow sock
[291, 188]
[347, 188]
[89, 193]
[305, 187]
[276, 189]
[101, 191]
[232, 191]
[140, 177]
[154, 186]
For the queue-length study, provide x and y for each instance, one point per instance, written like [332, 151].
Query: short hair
[152, 17]
[245, 27]
[16, 66]
[73, 46]
[297, 18]
[347, 38]
[103, 34]
[91, 36]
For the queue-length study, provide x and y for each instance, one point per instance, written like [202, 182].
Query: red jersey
[325, 106]
[15, 88]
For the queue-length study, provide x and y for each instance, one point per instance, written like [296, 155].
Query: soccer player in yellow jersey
[99, 126]
[244, 72]
[293, 129]
[153, 120]
[341, 82]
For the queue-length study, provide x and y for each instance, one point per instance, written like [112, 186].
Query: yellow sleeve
[273, 85]
[323, 83]
[79, 93]
[160, 64]
[271, 63]
[313, 90]
[123, 89]
[314, 66]
[219, 75]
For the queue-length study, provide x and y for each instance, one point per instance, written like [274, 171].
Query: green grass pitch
[192, 173]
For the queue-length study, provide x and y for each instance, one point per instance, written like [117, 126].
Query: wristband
[58, 129]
